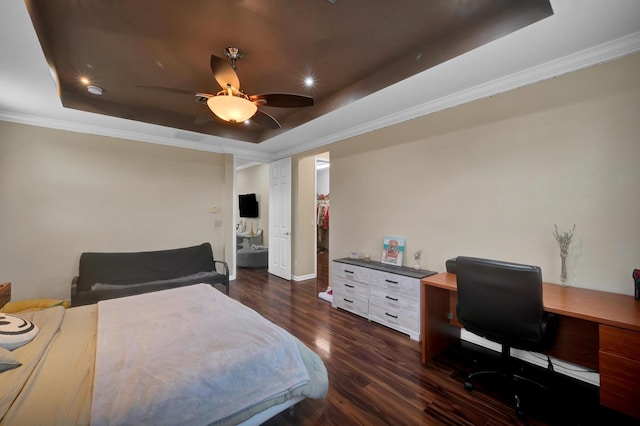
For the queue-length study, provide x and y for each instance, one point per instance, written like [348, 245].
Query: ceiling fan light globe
[234, 109]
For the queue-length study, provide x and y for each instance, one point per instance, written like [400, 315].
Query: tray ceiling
[350, 48]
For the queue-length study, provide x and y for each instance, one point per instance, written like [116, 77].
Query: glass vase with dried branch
[564, 240]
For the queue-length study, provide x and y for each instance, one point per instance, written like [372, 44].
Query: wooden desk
[596, 329]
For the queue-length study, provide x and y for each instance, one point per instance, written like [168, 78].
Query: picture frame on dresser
[392, 251]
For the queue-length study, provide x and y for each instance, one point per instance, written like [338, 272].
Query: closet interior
[322, 221]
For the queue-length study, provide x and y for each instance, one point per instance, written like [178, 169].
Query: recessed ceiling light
[85, 81]
[309, 82]
[94, 90]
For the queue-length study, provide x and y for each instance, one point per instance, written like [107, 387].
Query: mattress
[55, 383]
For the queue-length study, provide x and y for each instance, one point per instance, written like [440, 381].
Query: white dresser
[386, 294]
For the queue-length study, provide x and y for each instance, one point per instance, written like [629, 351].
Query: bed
[189, 355]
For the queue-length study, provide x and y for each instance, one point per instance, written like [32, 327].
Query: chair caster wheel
[468, 386]
[520, 414]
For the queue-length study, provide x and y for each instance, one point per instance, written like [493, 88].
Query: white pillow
[7, 360]
[15, 331]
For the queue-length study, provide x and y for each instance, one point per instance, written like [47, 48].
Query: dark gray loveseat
[111, 275]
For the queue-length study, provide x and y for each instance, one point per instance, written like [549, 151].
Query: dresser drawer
[399, 283]
[349, 287]
[395, 319]
[357, 305]
[356, 273]
[392, 299]
[388, 295]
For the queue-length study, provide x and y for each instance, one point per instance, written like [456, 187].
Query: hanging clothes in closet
[322, 212]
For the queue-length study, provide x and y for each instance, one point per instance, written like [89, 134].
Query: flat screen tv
[248, 205]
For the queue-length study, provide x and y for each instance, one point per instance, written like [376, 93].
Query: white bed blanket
[187, 356]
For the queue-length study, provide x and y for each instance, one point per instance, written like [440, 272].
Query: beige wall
[491, 178]
[251, 180]
[62, 193]
[303, 248]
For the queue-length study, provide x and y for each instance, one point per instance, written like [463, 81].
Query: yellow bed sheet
[58, 389]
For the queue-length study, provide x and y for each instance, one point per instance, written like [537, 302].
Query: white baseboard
[303, 277]
[563, 367]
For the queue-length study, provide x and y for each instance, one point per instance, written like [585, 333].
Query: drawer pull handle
[392, 298]
[391, 282]
[347, 300]
[350, 285]
[390, 315]
[346, 271]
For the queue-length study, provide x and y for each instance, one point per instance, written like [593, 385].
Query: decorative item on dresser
[392, 251]
[386, 294]
[416, 258]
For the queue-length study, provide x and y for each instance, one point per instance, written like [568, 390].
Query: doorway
[251, 225]
[280, 218]
[311, 176]
[323, 201]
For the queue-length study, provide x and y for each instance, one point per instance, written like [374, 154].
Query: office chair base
[520, 413]
[540, 386]
[509, 377]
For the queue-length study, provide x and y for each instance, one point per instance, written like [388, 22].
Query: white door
[280, 218]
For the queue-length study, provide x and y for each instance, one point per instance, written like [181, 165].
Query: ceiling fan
[233, 105]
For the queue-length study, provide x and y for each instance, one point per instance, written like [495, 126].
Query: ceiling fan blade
[283, 100]
[265, 120]
[224, 73]
[166, 89]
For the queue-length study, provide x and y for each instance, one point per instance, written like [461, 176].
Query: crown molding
[74, 126]
[589, 57]
[603, 53]
[248, 165]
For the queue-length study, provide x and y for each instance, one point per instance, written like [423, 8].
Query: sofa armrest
[74, 286]
[225, 266]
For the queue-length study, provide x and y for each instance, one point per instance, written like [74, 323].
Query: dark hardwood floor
[322, 267]
[376, 377]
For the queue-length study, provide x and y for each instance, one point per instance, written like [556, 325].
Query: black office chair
[502, 302]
